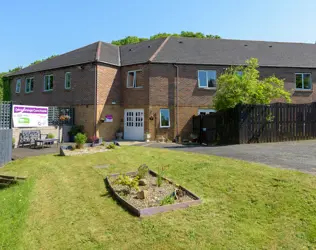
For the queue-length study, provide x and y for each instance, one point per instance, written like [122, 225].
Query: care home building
[155, 86]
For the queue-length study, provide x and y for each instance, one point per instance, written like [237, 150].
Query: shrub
[111, 146]
[128, 181]
[142, 171]
[13, 142]
[167, 200]
[160, 175]
[80, 139]
[50, 136]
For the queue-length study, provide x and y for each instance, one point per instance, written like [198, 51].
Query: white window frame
[50, 89]
[134, 80]
[206, 70]
[302, 74]
[26, 84]
[206, 111]
[66, 74]
[18, 82]
[160, 118]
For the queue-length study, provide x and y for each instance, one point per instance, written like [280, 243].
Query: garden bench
[28, 137]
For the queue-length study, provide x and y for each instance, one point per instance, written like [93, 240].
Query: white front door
[134, 124]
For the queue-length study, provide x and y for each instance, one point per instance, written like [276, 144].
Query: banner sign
[29, 116]
[108, 118]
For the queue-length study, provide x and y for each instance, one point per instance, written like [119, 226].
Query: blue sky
[36, 29]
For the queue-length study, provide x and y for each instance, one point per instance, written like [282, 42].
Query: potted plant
[147, 136]
[80, 140]
[119, 135]
[194, 137]
[94, 140]
[75, 129]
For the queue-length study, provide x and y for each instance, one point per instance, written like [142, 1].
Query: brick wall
[108, 84]
[81, 92]
[190, 98]
[135, 96]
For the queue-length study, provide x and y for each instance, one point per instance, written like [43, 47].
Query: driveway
[291, 155]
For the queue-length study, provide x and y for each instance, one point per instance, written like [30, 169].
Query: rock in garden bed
[150, 197]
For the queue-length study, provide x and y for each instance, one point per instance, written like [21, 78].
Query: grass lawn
[64, 205]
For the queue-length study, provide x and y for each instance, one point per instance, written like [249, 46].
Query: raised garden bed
[88, 148]
[158, 199]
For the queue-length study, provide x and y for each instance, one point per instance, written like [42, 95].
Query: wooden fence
[257, 123]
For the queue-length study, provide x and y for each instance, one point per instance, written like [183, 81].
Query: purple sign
[30, 110]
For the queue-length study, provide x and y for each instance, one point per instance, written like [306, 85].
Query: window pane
[31, 87]
[18, 86]
[165, 118]
[130, 79]
[202, 79]
[211, 78]
[307, 81]
[299, 81]
[68, 80]
[139, 79]
[51, 82]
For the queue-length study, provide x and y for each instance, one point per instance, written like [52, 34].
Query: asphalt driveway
[292, 155]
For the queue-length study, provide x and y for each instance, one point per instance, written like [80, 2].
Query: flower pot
[119, 135]
[147, 137]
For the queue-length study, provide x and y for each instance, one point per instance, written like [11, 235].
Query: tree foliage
[135, 39]
[39, 61]
[247, 88]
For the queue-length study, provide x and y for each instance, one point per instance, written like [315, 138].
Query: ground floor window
[164, 118]
[206, 111]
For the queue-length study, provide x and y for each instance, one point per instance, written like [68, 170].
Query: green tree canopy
[247, 88]
[135, 39]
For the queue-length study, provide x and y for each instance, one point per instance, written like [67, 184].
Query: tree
[129, 40]
[135, 39]
[39, 61]
[247, 88]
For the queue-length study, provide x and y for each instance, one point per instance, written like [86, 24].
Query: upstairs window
[18, 86]
[68, 80]
[48, 82]
[303, 81]
[29, 85]
[207, 79]
[134, 79]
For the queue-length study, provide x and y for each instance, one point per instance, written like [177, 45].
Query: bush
[142, 171]
[13, 142]
[160, 175]
[125, 180]
[111, 146]
[50, 136]
[80, 140]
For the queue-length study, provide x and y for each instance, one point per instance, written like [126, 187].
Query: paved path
[292, 155]
[20, 153]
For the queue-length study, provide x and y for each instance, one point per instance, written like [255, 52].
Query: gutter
[97, 57]
[176, 103]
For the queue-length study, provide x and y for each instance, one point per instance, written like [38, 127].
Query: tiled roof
[185, 51]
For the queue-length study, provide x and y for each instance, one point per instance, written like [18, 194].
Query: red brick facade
[158, 91]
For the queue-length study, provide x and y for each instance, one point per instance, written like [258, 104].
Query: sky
[37, 29]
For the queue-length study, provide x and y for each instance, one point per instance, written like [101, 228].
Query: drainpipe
[176, 102]
[95, 99]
